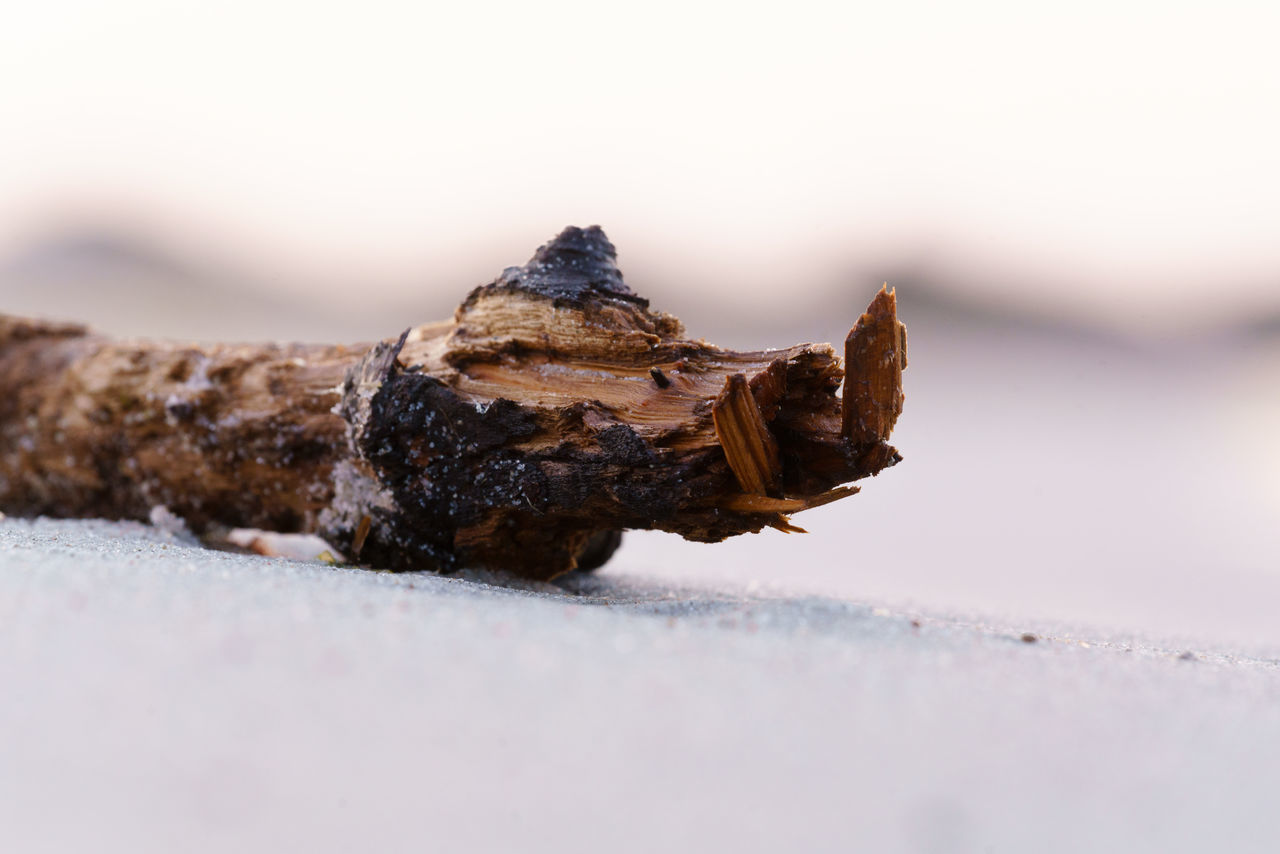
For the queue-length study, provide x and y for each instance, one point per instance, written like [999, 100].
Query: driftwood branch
[555, 410]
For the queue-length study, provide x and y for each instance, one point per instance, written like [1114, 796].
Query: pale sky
[1087, 154]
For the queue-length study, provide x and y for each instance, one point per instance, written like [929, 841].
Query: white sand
[162, 697]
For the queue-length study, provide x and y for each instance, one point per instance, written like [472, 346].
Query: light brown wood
[749, 447]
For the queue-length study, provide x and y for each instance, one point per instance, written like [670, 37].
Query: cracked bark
[555, 410]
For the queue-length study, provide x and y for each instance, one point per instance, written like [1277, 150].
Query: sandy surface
[160, 697]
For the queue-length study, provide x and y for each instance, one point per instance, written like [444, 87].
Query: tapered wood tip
[875, 353]
[884, 302]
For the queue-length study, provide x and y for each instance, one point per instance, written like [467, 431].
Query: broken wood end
[748, 445]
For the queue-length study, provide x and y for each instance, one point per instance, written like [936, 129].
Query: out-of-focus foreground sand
[160, 697]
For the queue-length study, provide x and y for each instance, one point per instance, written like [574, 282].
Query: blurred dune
[133, 284]
[130, 286]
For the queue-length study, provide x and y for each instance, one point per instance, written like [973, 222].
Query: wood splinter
[554, 411]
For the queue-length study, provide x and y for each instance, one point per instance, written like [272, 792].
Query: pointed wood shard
[875, 352]
[553, 411]
[751, 503]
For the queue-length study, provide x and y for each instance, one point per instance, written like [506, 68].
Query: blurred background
[1079, 205]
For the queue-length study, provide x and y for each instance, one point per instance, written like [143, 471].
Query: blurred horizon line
[89, 258]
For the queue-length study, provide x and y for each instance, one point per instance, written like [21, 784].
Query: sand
[158, 696]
